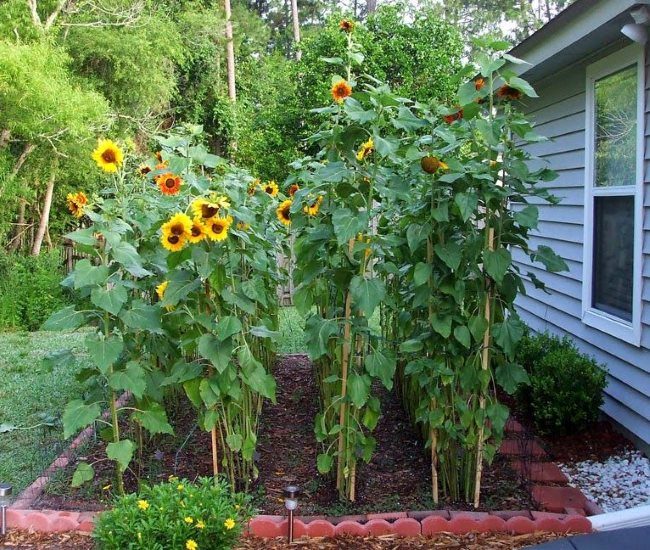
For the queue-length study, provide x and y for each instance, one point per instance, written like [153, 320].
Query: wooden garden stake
[215, 457]
[485, 364]
[434, 433]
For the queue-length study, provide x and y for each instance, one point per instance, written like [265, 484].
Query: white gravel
[620, 482]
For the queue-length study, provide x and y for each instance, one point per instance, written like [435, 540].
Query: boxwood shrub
[566, 386]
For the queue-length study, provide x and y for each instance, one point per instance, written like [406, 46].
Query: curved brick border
[404, 524]
[35, 490]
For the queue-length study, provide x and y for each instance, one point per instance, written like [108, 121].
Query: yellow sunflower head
[144, 169]
[198, 231]
[108, 156]
[312, 208]
[160, 289]
[77, 203]
[365, 150]
[242, 226]
[253, 185]
[341, 90]
[169, 184]
[204, 209]
[283, 212]
[293, 189]
[176, 232]
[217, 228]
[271, 188]
[346, 25]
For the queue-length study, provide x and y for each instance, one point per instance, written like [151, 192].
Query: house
[594, 86]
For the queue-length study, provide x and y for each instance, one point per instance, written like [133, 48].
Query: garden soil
[398, 477]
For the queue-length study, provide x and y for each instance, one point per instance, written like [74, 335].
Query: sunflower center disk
[173, 239]
[170, 182]
[177, 230]
[109, 156]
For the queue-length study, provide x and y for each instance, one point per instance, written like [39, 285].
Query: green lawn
[33, 393]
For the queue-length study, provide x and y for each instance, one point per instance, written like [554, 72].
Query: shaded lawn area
[33, 393]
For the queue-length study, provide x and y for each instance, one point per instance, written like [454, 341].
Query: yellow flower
[341, 90]
[176, 231]
[77, 203]
[243, 226]
[180, 487]
[200, 524]
[365, 150]
[217, 228]
[346, 25]
[229, 523]
[237, 506]
[160, 289]
[283, 212]
[204, 208]
[191, 545]
[106, 487]
[312, 208]
[271, 188]
[198, 231]
[189, 520]
[108, 156]
[143, 505]
[139, 536]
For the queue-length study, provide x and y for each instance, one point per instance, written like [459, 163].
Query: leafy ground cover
[32, 392]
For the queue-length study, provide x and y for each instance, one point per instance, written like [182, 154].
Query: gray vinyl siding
[559, 114]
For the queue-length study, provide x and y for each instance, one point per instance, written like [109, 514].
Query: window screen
[613, 265]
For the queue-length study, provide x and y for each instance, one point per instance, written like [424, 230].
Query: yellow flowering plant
[182, 292]
[211, 517]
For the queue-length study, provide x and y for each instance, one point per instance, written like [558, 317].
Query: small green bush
[30, 289]
[566, 386]
[178, 514]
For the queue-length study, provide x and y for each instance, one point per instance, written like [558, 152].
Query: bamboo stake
[485, 364]
[345, 356]
[434, 433]
[215, 457]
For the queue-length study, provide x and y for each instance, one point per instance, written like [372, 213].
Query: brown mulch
[24, 540]
[472, 541]
[62, 541]
[397, 478]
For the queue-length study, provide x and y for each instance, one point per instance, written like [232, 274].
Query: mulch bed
[396, 479]
[598, 441]
[62, 541]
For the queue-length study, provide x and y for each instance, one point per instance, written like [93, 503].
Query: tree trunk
[4, 138]
[371, 6]
[230, 53]
[17, 241]
[45, 216]
[27, 150]
[296, 28]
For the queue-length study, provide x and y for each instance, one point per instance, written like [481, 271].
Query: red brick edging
[405, 524]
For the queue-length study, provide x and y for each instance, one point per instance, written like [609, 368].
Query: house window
[613, 194]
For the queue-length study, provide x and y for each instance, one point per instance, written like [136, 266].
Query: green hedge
[566, 386]
[29, 289]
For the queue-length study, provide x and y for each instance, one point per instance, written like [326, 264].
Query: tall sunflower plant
[180, 289]
[407, 274]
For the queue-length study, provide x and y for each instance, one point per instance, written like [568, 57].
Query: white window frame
[628, 331]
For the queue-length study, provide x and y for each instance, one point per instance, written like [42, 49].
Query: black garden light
[5, 500]
[291, 493]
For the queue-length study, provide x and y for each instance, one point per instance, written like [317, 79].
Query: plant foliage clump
[566, 386]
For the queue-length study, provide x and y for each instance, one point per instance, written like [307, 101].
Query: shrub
[29, 289]
[176, 514]
[566, 386]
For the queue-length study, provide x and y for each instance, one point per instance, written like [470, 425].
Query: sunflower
[293, 189]
[176, 231]
[144, 169]
[312, 208]
[453, 117]
[76, 203]
[432, 164]
[479, 83]
[159, 157]
[283, 212]
[161, 288]
[365, 150]
[169, 184]
[242, 226]
[198, 231]
[341, 90]
[346, 25]
[508, 93]
[253, 185]
[271, 188]
[108, 156]
[217, 228]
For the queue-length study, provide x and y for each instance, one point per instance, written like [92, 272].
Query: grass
[33, 394]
